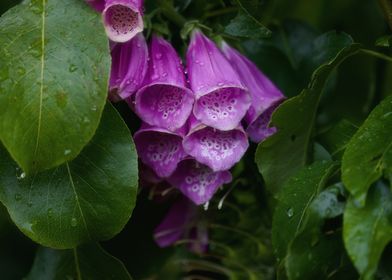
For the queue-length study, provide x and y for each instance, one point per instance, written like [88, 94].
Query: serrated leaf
[294, 200]
[284, 153]
[369, 153]
[89, 198]
[367, 230]
[54, 67]
[245, 26]
[88, 262]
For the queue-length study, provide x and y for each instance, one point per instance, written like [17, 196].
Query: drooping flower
[160, 149]
[181, 223]
[98, 5]
[217, 149]
[221, 98]
[129, 67]
[164, 100]
[265, 95]
[123, 19]
[197, 181]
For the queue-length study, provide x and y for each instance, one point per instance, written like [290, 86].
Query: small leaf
[337, 137]
[385, 41]
[369, 153]
[367, 230]
[294, 200]
[246, 26]
[88, 262]
[284, 153]
[89, 198]
[54, 63]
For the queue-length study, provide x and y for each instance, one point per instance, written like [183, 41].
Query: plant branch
[386, 6]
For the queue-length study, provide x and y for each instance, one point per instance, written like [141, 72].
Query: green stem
[377, 54]
[386, 6]
[171, 14]
[221, 12]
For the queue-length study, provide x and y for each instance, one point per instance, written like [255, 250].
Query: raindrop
[67, 152]
[20, 175]
[74, 222]
[290, 212]
[50, 212]
[94, 108]
[158, 56]
[72, 68]
[18, 197]
[21, 71]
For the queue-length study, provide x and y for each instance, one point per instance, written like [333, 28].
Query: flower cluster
[196, 121]
[192, 132]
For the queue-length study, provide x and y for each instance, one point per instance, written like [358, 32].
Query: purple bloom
[180, 223]
[217, 149]
[265, 95]
[98, 5]
[221, 99]
[197, 181]
[173, 226]
[129, 67]
[160, 149]
[164, 101]
[123, 19]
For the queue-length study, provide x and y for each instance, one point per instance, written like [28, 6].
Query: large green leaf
[293, 202]
[89, 198]
[337, 137]
[246, 26]
[367, 230]
[369, 153]
[88, 262]
[54, 65]
[283, 154]
[316, 252]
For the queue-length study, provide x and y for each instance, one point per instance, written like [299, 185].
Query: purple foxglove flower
[265, 95]
[129, 68]
[164, 101]
[217, 149]
[98, 5]
[181, 223]
[123, 19]
[175, 223]
[221, 98]
[160, 149]
[197, 181]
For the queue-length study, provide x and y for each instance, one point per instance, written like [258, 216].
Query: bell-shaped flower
[159, 149]
[164, 100]
[98, 5]
[198, 182]
[221, 98]
[181, 224]
[129, 67]
[217, 149]
[123, 19]
[265, 95]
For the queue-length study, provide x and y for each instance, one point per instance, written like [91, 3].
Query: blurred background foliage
[240, 230]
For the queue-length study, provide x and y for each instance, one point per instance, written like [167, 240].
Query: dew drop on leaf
[290, 212]
[74, 222]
